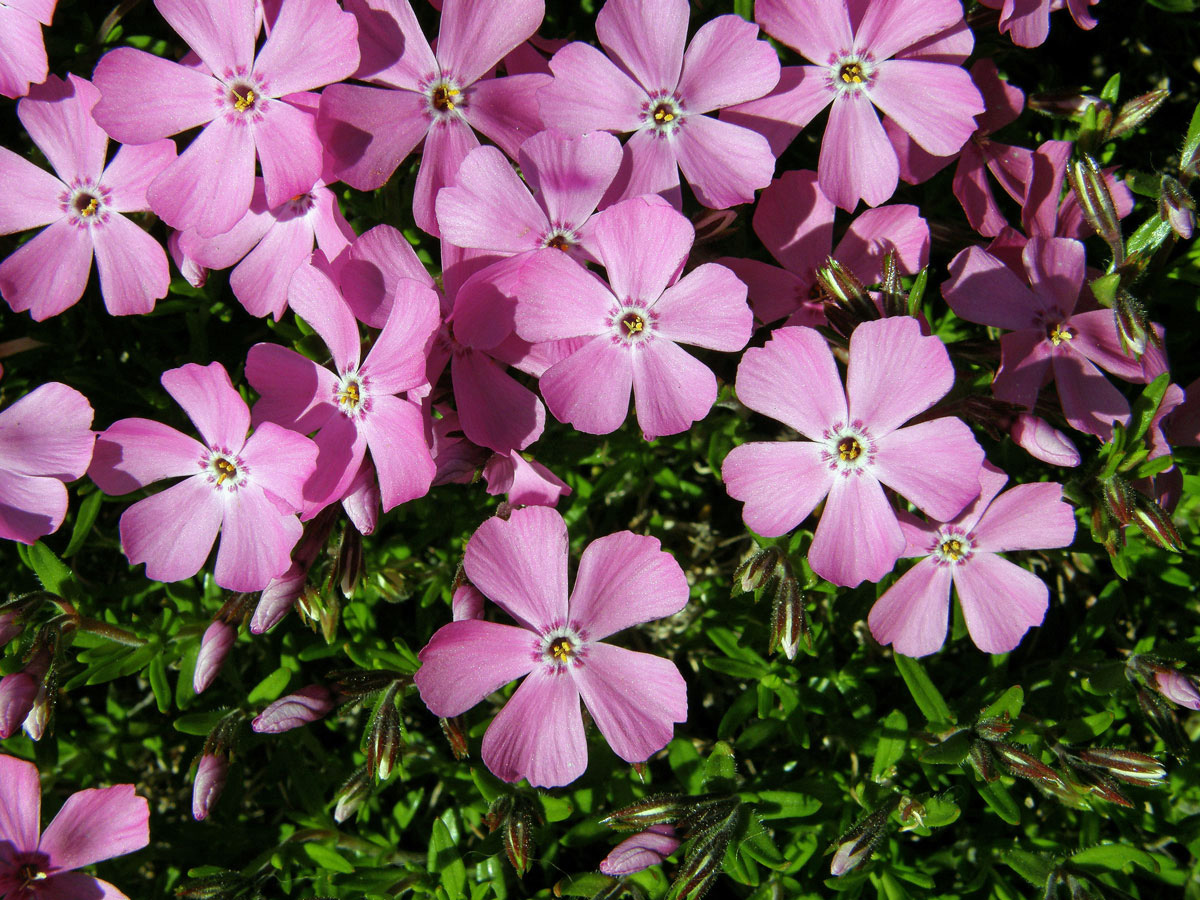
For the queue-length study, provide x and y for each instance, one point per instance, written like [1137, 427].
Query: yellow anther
[349, 395]
[559, 242]
[561, 649]
[443, 97]
[849, 449]
[90, 209]
[664, 114]
[1059, 334]
[851, 73]
[952, 549]
[226, 468]
[241, 104]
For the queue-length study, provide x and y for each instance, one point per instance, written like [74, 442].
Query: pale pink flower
[22, 47]
[82, 207]
[634, 698]
[999, 599]
[92, 826]
[46, 438]
[1027, 22]
[249, 489]
[854, 445]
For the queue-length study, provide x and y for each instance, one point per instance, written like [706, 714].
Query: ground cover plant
[611, 448]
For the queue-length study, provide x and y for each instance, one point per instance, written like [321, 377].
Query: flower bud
[10, 623]
[1062, 102]
[517, 834]
[320, 609]
[704, 860]
[210, 781]
[349, 567]
[1136, 111]
[1096, 203]
[42, 711]
[19, 691]
[214, 647]
[641, 851]
[295, 710]
[384, 738]
[1025, 765]
[1128, 765]
[1178, 687]
[1155, 523]
[351, 794]
[760, 568]
[1043, 441]
[1175, 205]
[789, 619]
[848, 303]
[282, 591]
[1133, 325]
[456, 737]
[656, 809]
[193, 272]
[855, 846]
[467, 603]
[1119, 498]
[1162, 719]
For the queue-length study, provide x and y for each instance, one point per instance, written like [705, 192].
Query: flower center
[663, 113]
[953, 547]
[29, 875]
[559, 241]
[445, 99]
[226, 471]
[242, 96]
[632, 323]
[351, 394]
[848, 448]
[1060, 333]
[86, 204]
[562, 647]
[852, 73]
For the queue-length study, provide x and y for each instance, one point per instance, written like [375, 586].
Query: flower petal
[773, 292]
[794, 219]
[706, 308]
[77, 886]
[467, 660]
[1089, 400]
[182, 97]
[671, 388]
[648, 167]
[48, 273]
[539, 733]
[221, 32]
[625, 579]
[780, 483]
[132, 170]
[872, 234]
[1026, 517]
[999, 600]
[589, 93]
[723, 162]
[984, 290]
[857, 160]
[802, 92]
[289, 151]
[495, 410]
[558, 298]
[643, 246]
[95, 825]
[570, 175]
[894, 373]
[472, 38]
[1096, 338]
[369, 131]
[1056, 268]
[725, 63]
[210, 401]
[58, 116]
[260, 282]
[396, 361]
[934, 464]
[292, 62]
[30, 506]
[912, 614]
[446, 146]
[888, 28]
[816, 29]
[280, 461]
[256, 540]
[315, 298]
[173, 531]
[590, 388]
[295, 391]
[374, 270]
[31, 196]
[489, 207]
[794, 379]
[23, 62]
[858, 536]
[47, 432]
[20, 804]
[646, 39]
[132, 267]
[133, 453]
[396, 438]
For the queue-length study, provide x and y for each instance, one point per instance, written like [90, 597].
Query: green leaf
[328, 858]
[444, 858]
[51, 571]
[84, 519]
[199, 724]
[1146, 406]
[1149, 236]
[759, 846]
[270, 688]
[1112, 89]
[719, 768]
[1079, 731]
[158, 683]
[1191, 143]
[917, 292]
[745, 9]
[928, 698]
[588, 885]
[1115, 857]
[1033, 867]
[892, 744]
[1009, 704]
[997, 797]
[949, 752]
[783, 804]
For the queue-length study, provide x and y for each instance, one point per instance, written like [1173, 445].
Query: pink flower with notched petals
[633, 325]
[82, 208]
[855, 443]
[93, 825]
[634, 698]
[874, 55]
[249, 489]
[656, 90]
[242, 100]
[22, 47]
[45, 439]
[999, 599]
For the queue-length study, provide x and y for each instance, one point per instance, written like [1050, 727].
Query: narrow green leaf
[444, 858]
[783, 804]
[1115, 857]
[892, 744]
[759, 846]
[1191, 143]
[84, 519]
[51, 571]
[158, 683]
[928, 698]
[328, 858]
[1149, 236]
[1009, 704]
[1146, 406]
[1033, 867]
[997, 797]
[199, 724]
[719, 768]
[270, 688]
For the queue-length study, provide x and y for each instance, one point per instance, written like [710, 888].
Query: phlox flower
[854, 445]
[82, 207]
[634, 698]
[633, 325]
[641, 851]
[440, 96]
[654, 88]
[999, 599]
[526, 481]
[45, 439]
[354, 408]
[22, 47]
[243, 101]
[1049, 339]
[249, 489]
[1027, 22]
[93, 825]
[868, 55]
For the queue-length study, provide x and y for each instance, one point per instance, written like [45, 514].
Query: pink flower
[633, 325]
[999, 599]
[641, 851]
[660, 93]
[215, 645]
[439, 97]
[82, 207]
[1027, 22]
[354, 408]
[22, 48]
[92, 826]
[634, 698]
[244, 103]
[855, 445]
[249, 489]
[45, 439]
[526, 481]
[880, 57]
[306, 705]
[1178, 687]
[1048, 339]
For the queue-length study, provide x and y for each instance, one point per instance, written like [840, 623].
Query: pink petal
[706, 308]
[210, 185]
[393, 49]
[485, 305]
[539, 733]
[261, 280]
[973, 191]
[1043, 441]
[333, 233]
[256, 540]
[521, 565]
[215, 645]
[446, 146]
[133, 453]
[315, 298]
[527, 483]
[473, 38]
[31, 196]
[1096, 338]
[1039, 214]
[871, 235]
[888, 28]
[48, 273]
[590, 388]
[20, 804]
[95, 825]
[221, 32]
[30, 507]
[402, 459]
[489, 207]
[223, 250]
[495, 410]
[74, 885]
[466, 661]
[132, 267]
[802, 92]
[1089, 400]
[291, 61]
[47, 432]
[723, 162]
[1024, 367]
[295, 391]
[648, 167]
[634, 698]
[505, 109]
[726, 64]
[589, 93]
[396, 361]
[23, 59]
[780, 483]
[999, 600]
[362, 499]
[773, 292]
[815, 29]
[570, 175]
[559, 298]
[210, 401]
[793, 379]
[39, 10]
[934, 464]
[991, 482]
[132, 170]
[374, 269]
[370, 131]
[280, 461]
[911, 615]
[289, 151]
[1056, 268]
[641, 268]
[58, 116]
[181, 98]
[647, 39]
[295, 710]
[902, 89]
[625, 579]
[640, 851]
[857, 160]
[894, 373]
[1027, 517]
[671, 388]
[341, 448]
[172, 531]
[983, 289]
[858, 536]
[795, 222]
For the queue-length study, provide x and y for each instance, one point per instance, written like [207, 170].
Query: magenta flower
[999, 599]
[22, 48]
[46, 438]
[439, 97]
[354, 408]
[82, 207]
[92, 826]
[656, 90]
[249, 489]
[877, 58]
[633, 325]
[1048, 339]
[641, 851]
[1027, 22]
[634, 698]
[244, 103]
[855, 443]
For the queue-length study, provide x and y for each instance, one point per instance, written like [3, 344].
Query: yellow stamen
[350, 395]
[1059, 334]
[559, 242]
[561, 649]
[90, 209]
[243, 103]
[664, 114]
[443, 97]
[952, 549]
[226, 468]
[633, 323]
[851, 73]
[849, 449]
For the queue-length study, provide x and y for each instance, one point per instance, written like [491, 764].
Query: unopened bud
[467, 603]
[1162, 719]
[1119, 498]
[856, 846]
[456, 736]
[498, 812]
[320, 610]
[1176, 205]
[758, 569]
[993, 728]
[517, 834]
[704, 861]
[640, 851]
[789, 619]
[306, 705]
[1133, 324]
[708, 812]
[1178, 687]
[19, 691]
[282, 592]
[893, 300]
[210, 781]
[360, 683]
[349, 568]
[41, 713]
[653, 810]
[1096, 203]
[1136, 111]
[1025, 765]
[351, 794]
[848, 304]
[1067, 103]
[1128, 765]
[1155, 523]
[983, 761]
[214, 648]
[384, 738]
[1043, 441]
